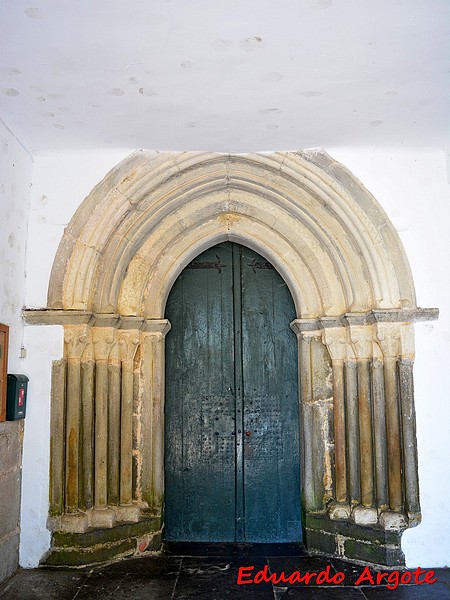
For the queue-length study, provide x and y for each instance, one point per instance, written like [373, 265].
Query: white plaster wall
[16, 168]
[412, 187]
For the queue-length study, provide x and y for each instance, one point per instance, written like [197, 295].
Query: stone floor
[181, 576]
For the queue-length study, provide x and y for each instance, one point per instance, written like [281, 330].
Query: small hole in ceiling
[11, 92]
[251, 43]
[146, 92]
[34, 13]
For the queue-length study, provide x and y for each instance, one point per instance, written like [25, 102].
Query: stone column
[405, 364]
[388, 336]
[75, 340]
[128, 343]
[379, 431]
[103, 338]
[151, 438]
[87, 438]
[335, 340]
[306, 330]
[361, 338]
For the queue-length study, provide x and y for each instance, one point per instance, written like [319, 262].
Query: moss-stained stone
[353, 542]
[100, 545]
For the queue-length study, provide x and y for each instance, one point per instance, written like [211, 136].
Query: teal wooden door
[231, 411]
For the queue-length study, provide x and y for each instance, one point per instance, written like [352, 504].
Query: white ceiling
[225, 75]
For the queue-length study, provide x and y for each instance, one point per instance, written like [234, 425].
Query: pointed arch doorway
[231, 410]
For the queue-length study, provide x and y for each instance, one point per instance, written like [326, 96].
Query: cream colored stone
[363, 515]
[128, 513]
[74, 523]
[338, 511]
[104, 518]
[393, 520]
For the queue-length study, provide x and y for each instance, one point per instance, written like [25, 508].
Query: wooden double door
[231, 410]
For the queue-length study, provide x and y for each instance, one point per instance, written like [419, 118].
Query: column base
[364, 515]
[393, 521]
[128, 513]
[338, 511]
[104, 518]
[74, 523]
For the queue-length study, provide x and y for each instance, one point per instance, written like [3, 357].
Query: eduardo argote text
[392, 579]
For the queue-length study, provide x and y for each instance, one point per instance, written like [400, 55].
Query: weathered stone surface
[11, 437]
[354, 542]
[9, 555]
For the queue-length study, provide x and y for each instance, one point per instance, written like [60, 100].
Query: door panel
[199, 445]
[271, 440]
[232, 446]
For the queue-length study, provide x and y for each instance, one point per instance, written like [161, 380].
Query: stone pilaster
[361, 339]
[151, 475]
[104, 338]
[310, 430]
[128, 342]
[408, 417]
[75, 340]
[335, 340]
[388, 337]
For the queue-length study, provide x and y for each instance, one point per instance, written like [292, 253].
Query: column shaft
[393, 434]
[339, 431]
[409, 437]
[57, 439]
[352, 431]
[365, 433]
[87, 440]
[73, 433]
[379, 430]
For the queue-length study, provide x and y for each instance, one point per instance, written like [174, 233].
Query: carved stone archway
[355, 302]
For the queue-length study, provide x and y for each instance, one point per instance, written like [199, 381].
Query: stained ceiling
[230, 76]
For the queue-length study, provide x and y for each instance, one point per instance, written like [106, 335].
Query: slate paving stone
[436, 591]
[153, 566]
[352, 572]
[304, 564]
[206, 578]
[131, 586]
[322, 593]
[216, 579]
[39, 584]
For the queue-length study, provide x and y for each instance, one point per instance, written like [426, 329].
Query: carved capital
[76, 337]
[388, 338]
[335, 339]
[103, 338]
[305, 327]
[407, 341]
[361, 338]
[156, 327]
[128, 343]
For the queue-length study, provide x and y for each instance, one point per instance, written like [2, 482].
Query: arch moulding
[354, 296]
